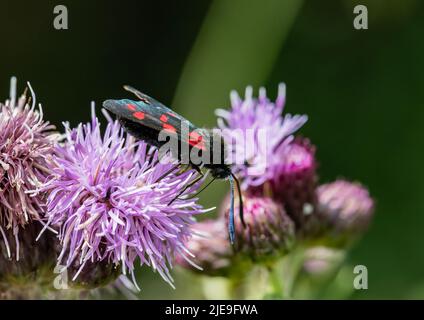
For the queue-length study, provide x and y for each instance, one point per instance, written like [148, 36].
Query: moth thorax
[219, 171]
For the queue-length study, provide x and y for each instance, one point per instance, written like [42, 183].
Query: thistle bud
[209, 250]
[344, 207]
[268, 231]
[295, 180]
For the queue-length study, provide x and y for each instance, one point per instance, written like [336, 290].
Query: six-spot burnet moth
[146, 118]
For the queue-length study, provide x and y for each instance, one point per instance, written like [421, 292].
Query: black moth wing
[146, 118]
[160, 116]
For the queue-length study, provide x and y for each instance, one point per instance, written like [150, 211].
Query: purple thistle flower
[26, 141]
[105, 198]
[270, 131]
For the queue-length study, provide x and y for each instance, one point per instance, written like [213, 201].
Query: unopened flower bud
[344, 207]
[268, 230]
[295, 180]
[209, 249]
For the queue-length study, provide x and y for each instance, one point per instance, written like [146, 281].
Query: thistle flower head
[344, 207]
[111, 203]
[268, 229]
[294, 180]
[26, 141]
[210, 248]
[256, 131]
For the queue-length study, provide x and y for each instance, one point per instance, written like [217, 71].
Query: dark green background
[363, 91]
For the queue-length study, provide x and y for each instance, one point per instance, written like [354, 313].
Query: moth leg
[150, 153]
[207, 185]
[134, 91]
[184, 168]
[197, 179]
[168, 172]
[197, 168]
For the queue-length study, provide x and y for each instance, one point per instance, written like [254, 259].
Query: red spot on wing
[195, 136]
[139, 115]
[198, 145]
[196, 140]
[169, 128]
[163, 118]
[131, 107]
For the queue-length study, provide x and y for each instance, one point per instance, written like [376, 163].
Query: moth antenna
[167, 172]
[231, 215]
[241, 211]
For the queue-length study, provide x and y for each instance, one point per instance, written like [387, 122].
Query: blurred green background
[362, 89]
